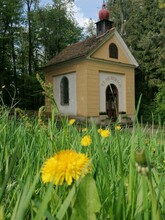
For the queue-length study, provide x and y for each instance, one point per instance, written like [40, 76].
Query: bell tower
[104, 23]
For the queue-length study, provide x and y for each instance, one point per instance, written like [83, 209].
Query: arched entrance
[112, 101]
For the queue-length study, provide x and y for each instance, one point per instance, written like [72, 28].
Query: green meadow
[125, 181]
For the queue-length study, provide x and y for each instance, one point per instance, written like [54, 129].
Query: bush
[160, 102]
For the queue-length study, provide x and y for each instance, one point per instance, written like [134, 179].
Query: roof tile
[76, 50]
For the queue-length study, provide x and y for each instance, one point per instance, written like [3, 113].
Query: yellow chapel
[95, 76]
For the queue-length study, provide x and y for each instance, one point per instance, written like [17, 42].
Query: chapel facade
[95, 76]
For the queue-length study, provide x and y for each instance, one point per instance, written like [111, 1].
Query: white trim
[71, 108]
[122, 44]
[118, 80]
[126, 50]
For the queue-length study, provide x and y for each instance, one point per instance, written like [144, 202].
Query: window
[64, 91]
[113, 51]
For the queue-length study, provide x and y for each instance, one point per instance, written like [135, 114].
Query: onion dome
[104, 13]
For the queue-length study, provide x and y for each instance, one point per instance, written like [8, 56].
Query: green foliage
[29, 37]
[30, 92]
[10, 20]
[87, 202]
[114, 181]
[141, 24]
[160, 102]
[54, 30]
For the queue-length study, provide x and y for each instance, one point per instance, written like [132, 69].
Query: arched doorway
[112, 101]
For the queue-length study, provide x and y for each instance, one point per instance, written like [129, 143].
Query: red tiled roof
[76, 50]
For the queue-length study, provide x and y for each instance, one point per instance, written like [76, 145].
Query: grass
[117, 190]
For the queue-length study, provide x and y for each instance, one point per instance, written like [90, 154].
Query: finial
[104, 12]
[103, 6]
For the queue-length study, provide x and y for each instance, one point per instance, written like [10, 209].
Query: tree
[143, 31]
[90, 28]
[160, 102]
[55, 29]
[28, 41]
[10, 19]
[31, 5]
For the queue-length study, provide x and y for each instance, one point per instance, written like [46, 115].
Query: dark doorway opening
[112, 101]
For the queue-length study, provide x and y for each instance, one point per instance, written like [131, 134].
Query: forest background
[31, 35]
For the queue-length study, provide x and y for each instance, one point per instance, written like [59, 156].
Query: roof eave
[64, 61]
[111, 62]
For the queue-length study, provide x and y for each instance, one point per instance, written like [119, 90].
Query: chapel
[95, 76]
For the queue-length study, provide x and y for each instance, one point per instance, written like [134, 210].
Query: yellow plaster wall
[130, 92]
[81, 83]
[92, 89]
[103, 52]
[87, 79]
[87, 83]
[94, 68]
[81, 80]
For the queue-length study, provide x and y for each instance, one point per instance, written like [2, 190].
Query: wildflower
[105, 133]
[86, 141]
[65, 166]
[71, 121]
[3, 86]
[47, 89]
[41, 122]
[84, 129]
[20, 113]
[99, 130]
[118, 128]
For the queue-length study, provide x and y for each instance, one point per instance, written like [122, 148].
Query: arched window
[64, 91]
[113, 51]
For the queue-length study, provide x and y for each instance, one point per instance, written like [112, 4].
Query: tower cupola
[104, 24]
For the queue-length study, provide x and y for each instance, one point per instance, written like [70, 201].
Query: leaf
[24, 199]
[66, 204]
[43, 206]
[87, 202]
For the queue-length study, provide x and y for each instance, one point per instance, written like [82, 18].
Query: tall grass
[124, 193]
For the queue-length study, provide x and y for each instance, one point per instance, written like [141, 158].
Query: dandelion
[65, 166]
[99, 130]
[118, 128]
[71, 121]
[105, 133]
[84, 129]
[86, 141]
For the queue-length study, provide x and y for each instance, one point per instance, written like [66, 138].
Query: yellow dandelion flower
[84, 129]
[65, 166]
[86, 141]
[118, 128]
[71, 121]
[105, 133]
[99, 130]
